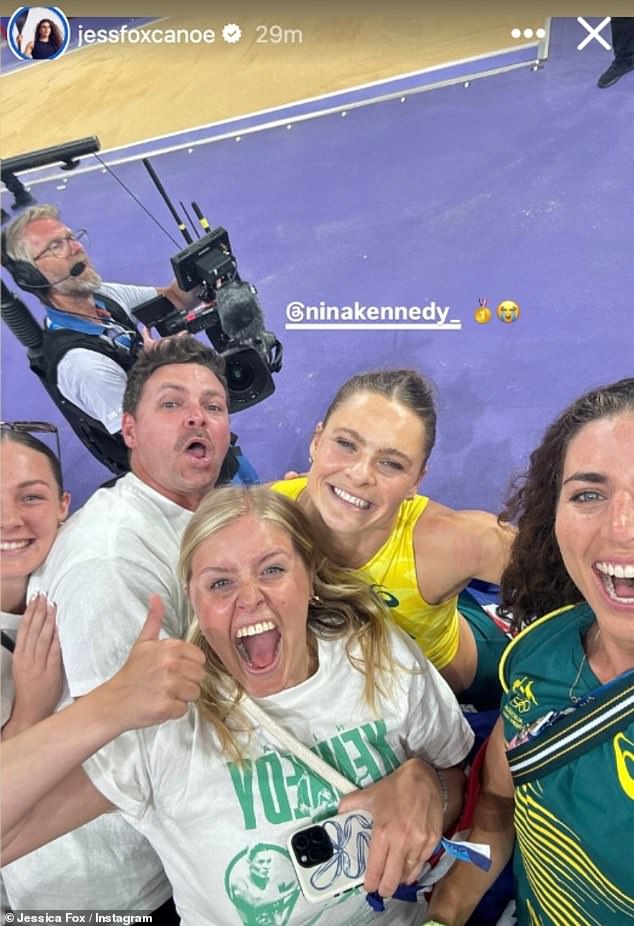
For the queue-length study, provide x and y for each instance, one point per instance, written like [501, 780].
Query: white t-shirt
[107, 559]
[110, 556]
[9, 624]
[103, 865]
[94, 382]
[202, 813]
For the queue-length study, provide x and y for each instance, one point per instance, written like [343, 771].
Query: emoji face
[508, 311]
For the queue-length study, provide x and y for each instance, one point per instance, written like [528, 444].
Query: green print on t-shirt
[279, 787]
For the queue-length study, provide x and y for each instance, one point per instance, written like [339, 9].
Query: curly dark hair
[535, 580]
[55, 37]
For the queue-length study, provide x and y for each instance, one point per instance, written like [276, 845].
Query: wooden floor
[127, 93]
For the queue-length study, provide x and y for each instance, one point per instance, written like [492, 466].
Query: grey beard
[84, 285]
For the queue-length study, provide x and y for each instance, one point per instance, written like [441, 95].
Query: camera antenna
[201, 218]
[168, 202]
[189, 218]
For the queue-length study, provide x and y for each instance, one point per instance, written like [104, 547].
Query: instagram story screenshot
[314, 315]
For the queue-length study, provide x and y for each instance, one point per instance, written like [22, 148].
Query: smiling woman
[33, 505]
[559, 760]
[249, 597]
[368, 456]
[568, 489]
[276, 621]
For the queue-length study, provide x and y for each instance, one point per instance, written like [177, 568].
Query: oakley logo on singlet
[390, 600]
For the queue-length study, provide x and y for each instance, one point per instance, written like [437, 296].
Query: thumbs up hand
[159, 678]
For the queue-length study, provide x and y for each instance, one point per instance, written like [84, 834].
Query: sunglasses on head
[34, 427]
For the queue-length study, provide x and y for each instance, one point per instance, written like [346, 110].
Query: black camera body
[231, 317]
[160, 313]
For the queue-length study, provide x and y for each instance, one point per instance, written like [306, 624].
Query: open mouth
[259, 645]
[197, 449]
[360, 503]
[12, 546]
[618, 581]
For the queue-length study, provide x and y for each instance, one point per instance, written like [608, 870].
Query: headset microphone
[75, 271]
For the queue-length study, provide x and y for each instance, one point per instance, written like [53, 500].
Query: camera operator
[90, 338]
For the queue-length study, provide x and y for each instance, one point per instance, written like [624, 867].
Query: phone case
[330, 857]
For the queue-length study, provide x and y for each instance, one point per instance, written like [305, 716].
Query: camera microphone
[75, 271]
[239, 311]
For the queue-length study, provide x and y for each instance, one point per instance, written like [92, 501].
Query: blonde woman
[310, 644]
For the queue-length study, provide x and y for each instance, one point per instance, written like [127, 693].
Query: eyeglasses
[34, 427]
[60, 247]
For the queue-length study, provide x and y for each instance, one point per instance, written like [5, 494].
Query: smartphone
[330, 857]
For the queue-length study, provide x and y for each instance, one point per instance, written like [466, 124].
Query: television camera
[229, 314]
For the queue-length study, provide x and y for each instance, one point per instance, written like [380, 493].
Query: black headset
[26, 275]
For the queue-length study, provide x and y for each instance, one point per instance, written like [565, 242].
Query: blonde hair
[344, 606]
[14, 243]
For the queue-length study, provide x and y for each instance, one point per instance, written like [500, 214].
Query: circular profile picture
[35, 33]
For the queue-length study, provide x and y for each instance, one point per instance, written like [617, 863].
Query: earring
[314, 600]
[310, 459]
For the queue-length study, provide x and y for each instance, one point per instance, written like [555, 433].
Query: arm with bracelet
[422, 793]
[422, 800]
